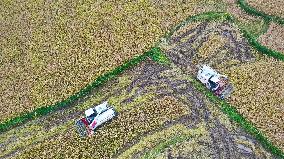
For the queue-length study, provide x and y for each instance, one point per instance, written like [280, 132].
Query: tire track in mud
[184, 53]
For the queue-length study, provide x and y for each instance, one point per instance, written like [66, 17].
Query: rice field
[257, 79]
[50, 50]
[173, 108]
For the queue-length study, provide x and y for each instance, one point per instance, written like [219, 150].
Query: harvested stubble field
[258, 80]
[274, 7]
[274, 37]
[50, 50]
[174, 108]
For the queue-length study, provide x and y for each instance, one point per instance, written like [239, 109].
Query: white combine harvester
[93, 118]
[217, 83]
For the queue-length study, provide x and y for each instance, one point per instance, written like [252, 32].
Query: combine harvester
[93, 118]
[217, 83]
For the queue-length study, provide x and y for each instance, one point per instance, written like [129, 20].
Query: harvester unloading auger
[217, 83]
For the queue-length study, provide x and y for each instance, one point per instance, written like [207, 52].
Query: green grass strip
[265, 28]
[153, 53]
[253, 11]
[253, 40]
[159, 57]
[254, 43]
[262, 49]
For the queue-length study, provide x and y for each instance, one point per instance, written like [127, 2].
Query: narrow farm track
[148, 78]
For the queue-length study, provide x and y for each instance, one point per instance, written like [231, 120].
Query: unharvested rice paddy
[259, 95]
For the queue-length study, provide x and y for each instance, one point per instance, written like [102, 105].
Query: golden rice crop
[259, 95]
[151, 141]
[51, 50]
